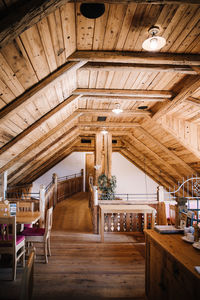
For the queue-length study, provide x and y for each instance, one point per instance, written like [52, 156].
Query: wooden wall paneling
[188, 21]
[45, 36]
[148, 162]
[163, 163]
[25, 15]
[190, 171]
[115, 19]
[33, 45]
[12, 107]
[84, 30]
[68, 26]
[39, 141]
[186, 91]
[55, 27]
[52, 153]
[41, 155]
[99, 29]
[17, 58]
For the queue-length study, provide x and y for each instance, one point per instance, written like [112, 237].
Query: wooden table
[169, 272]
[27, 217]
[138, 209]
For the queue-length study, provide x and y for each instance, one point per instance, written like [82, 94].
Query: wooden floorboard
[81, 267]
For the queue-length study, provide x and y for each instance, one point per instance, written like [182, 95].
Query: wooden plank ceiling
[59, 71]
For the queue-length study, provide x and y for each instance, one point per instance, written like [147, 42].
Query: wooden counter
[170, 273]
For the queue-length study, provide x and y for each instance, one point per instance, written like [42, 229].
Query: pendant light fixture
[155, 42]
[117, 110]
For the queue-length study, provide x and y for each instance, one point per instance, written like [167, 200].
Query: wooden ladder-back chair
[172, 214]
[41, 235]
[27, 278]
[10, 243]
[25, 206]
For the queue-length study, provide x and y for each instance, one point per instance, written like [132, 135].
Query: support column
[108, 154]
[98, 156]
[42, 205]
[3, 185]
[55, 181]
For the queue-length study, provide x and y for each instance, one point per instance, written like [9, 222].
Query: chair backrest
[8, 235]
[49, 221]
[25, 206]
[27, 278]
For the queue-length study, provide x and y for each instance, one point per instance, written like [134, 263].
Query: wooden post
[55, 182]
[98, 156]
[42, 205]
[160, 193]
[82, 188]
[3, 185]
[108, 154]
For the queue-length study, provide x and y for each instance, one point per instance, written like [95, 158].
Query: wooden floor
[81, 267]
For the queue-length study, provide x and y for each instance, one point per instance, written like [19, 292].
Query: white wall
[70, 165]
[129, 178]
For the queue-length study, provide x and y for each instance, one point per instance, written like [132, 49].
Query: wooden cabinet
[170, 273]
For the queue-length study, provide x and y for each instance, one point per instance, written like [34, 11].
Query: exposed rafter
[39, 141]
[137, 57]
[129, 93]
[109, 112]
[38, 123]
[14, 106]
[107, 124]
[119, 67]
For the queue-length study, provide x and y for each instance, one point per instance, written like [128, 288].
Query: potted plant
[107, 186]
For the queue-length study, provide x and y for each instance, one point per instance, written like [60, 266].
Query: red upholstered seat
[19, 239]
[28, 226]
[33, 231]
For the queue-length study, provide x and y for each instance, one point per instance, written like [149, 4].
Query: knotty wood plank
[25, 15]
[42, 84]
[37, 123]
[136, 57]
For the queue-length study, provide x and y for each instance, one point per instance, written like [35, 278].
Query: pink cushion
[19, 239]
[33, 231]
[28, 226]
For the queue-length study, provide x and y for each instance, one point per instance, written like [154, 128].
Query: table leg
[145, 220]
[102, 226]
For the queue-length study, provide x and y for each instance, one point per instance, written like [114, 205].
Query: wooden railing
[69, 185]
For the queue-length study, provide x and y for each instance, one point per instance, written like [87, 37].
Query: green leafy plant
[107, 186]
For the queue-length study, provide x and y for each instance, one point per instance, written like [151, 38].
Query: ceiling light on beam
[154, 43]
[104, 131]
[117, 110]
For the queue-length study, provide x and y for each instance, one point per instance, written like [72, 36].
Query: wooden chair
[41, 235]
[27, 278]
[10, 243]
[25, 206]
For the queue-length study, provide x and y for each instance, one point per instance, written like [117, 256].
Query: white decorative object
[95, 190]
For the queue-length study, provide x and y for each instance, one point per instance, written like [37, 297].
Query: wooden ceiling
[60, 71]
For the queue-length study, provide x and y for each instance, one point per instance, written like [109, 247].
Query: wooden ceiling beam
[109, 112]
[31, 162]
[148, 163]
[176, 159]
[186, 92]
[23, 15]
[193, 101]
[40, 141]
[89, 132]
[123, 92]
[35, 172]
[107, 124]
[148, 2]
[111, 98]
[38, 123]
[157, 58]
[156, 156]
[119, 67]
[15, 105]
